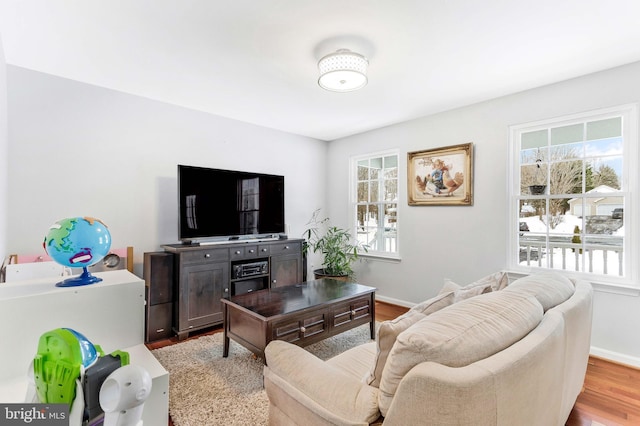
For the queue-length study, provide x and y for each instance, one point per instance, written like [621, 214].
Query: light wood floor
[611, 393]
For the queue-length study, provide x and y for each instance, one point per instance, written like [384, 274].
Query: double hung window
[375, 202]
[571, 194]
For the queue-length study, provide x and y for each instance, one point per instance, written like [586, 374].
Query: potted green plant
[336, 244]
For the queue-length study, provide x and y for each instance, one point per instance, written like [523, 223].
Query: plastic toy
[62, 354]
[123, 394]
[99, 389]
[78, 242]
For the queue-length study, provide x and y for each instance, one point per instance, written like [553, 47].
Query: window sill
[626, 290]
[385, 257]
[598, 285]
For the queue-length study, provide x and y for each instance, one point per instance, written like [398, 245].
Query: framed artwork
[441, 176]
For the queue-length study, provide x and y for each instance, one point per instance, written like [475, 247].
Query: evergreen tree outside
[588, 178]
[576, 238]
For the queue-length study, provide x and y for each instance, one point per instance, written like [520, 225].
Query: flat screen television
[218, 205]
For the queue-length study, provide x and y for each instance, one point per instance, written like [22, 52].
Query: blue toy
[78, 242]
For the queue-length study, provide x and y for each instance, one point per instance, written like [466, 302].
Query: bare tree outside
[606, 175]
[565, 177]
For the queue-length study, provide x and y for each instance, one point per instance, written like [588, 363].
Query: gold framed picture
[441, 176]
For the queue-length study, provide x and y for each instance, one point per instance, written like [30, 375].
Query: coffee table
[301, 314]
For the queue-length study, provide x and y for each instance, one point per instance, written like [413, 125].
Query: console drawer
[243, 252]
[359, 310]
[204, 256]
[286, 247]
[297, 330]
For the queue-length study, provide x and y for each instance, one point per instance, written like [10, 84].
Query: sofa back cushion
[389, 330]
[550, 288]
[460, 335]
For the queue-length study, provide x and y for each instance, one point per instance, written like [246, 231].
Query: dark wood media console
[204, 274]
[301, 314]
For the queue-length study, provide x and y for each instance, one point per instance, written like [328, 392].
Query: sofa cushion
[460, 335]
[389, 330]
[355, 362]
[386, 337]
[549, 288]
[497, 281]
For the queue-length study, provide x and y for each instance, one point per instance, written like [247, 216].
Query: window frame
[353, 202]
[630, 191]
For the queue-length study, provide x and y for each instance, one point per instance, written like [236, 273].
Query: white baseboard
[615, 357]
[395, 301]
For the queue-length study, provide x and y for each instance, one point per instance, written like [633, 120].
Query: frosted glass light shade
[343, 71]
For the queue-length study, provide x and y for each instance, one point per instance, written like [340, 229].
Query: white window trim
[353, 167]
[630, 183]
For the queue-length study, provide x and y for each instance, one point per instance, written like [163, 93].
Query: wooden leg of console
[225, 313]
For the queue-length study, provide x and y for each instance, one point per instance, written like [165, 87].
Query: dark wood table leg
[372, 324]
[225, 319]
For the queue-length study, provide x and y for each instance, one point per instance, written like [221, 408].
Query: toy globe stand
[83, 279]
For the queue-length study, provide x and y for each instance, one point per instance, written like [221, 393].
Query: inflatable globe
[78, 242]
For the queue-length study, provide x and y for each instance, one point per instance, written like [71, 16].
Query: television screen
[218, 203]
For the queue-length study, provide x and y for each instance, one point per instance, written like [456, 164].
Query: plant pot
[319, 273]
[537, 189]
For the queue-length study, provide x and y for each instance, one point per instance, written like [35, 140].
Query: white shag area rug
[206, 389]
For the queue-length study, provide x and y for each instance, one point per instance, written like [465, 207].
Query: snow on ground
[566, 259]
[566, 225]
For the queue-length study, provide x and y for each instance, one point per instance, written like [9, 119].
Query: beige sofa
[489, 353]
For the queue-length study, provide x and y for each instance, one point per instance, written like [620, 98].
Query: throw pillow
[497, 281]
[449, 286]
[463, 333]
[387, 333]
[435, 303]
[467, 293]
[463, 293]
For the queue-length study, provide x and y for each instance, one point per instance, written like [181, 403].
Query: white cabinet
[109, 313]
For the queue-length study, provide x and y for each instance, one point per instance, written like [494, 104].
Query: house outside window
[375, 202]
[571, 193]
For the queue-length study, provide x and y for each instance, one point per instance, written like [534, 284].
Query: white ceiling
[256, 60]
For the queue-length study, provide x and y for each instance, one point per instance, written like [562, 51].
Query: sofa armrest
[310, 391]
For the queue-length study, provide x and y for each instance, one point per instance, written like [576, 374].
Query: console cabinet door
[201, 288]
[286, 264]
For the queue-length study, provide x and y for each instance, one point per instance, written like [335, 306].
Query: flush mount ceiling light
[343, 71]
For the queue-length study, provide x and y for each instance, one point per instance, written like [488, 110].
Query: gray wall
[81, 150]
[465, 243]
